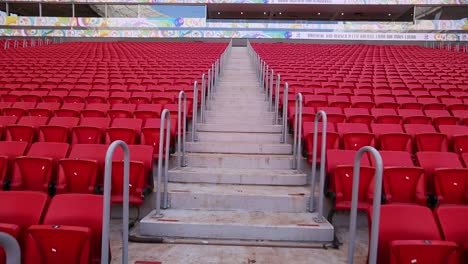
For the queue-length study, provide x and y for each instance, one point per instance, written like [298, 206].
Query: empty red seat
[386, 116]
[126, 129]
[54, 244]
[392, 137]
[436, 160]
[6, 121]
[69, 110]
[25, 129]
[44, 109]
[95, 152]
[22, 208]
[336, 158]
[344, 186]
[83, 210]
[424, 252]
[451, 186]
[404, 185]
[31, 173]
[403, 222]
[54, 150]
[95, 110]
[308, 134]
[414, 116]
[452, 224]
[76, 176]
[442, 117]
[121, 111]
[355, 136]
[57, 130]
[395, 158]
[90, 130]
[146, 111]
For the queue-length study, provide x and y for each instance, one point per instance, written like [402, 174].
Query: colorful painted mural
[310, 2]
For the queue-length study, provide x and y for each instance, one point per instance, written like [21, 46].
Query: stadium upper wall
[308, 2]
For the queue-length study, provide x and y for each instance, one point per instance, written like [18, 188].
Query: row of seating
[64, 229]
[60, 168]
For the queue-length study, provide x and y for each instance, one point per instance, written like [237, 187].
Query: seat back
[31, 173]
[137, 181]
[404, 185]
[86, 135]
[76, 176]
[396, 141]
[451, 186]
[424, 252]
[56, 244]
[344, 183]
[355, 141]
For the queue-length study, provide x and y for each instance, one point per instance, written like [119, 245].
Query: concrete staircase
[238, 183]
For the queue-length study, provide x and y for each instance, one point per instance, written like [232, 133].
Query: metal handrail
[262, 74]
[181, 135]
[195, 110]
[11, 247]
[107, 202]
[297, 145]
[374, 238]
[323, 156]
[208, 88]
[203, 99]
[213, 81]
[270, 92]
[265, 87]
[285, 113]
[165, 118]
[277, 98]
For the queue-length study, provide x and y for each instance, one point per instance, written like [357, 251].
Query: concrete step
[238, 147]
[239, 161]
[248, 121]
[232, 108]
[291, 199]
[260, 100]
[237, 225]
[237, 176]
[233, 114]
[237, 128]
[239, 137]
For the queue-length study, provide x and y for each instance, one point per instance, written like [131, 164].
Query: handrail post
[262, 74]
[265, 87]
[270, 93]
[285, 113]
[181, 135]
[11, 247]
[297, 145]
[374, 238]
[208, 90]
[323, 156]
[277, 99]
[107, 202]
[165, 118]
[195, 110]
[213, 80]
[203, 99]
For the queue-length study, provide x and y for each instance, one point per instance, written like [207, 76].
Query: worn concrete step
[239, 161]
[239, 137]
[239, 96]
[241, 225]
[250, 121]
[243, 113]
[237, 176]
[238, 147]
[291, 199]
[260, 100]
[231, 108]
[237, 128]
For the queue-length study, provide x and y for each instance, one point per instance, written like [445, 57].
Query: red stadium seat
[424, 252]
[90, 130]
[452, 224]
[344, 185]
[404, 185]
[76, 176]
[57, 130]
[451, 186]
[436, 160]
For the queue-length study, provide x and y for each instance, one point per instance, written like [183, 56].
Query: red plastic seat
[57, 244]
[308, 132]
[355, 135]
[57, 130]
[414, 116]
[95, 110]
[22, 208]
[395, 158]
[386, 116]
[121, 110]
[83, 210]
[452, 224]
[69, 110]
[137, 182]
[451, 186]
[95, 152]
[54, 150]
[430, 161]
[344, 185]
[442, 117]
[337, 157]
[403, 222]
[404, 185]
[424, 252]
[44, 109]
[139, 153]
[76, 176]
[6, 121]
[146, 111]
[392, 137]
[31, 173]
[126, 129]
[90, 130]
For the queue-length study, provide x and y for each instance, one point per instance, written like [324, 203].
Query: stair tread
[243, 190]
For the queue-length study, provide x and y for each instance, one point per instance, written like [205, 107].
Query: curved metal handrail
[203, 99]
[165, 118]
[277, 99]
[297, 145]
[181, 135]
[270, 92]
[374, 238]
[107, 202]
[11, 247]
[285, 113]
[323, 156]
[195, 110]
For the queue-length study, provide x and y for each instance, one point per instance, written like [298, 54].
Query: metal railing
[270, 92]
[374, 238]
[323, 156]
[11, 247]
[107, 202]
[203, 99]
[182, 125]
[285, 114]
[297, 143]
[277, 99]
[195, 111]
[165, 118]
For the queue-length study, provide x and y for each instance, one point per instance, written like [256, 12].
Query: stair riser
[239, 137]
[237, 179]
[239, 162]
[207, 147]
[243, 232]
[236, 128]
